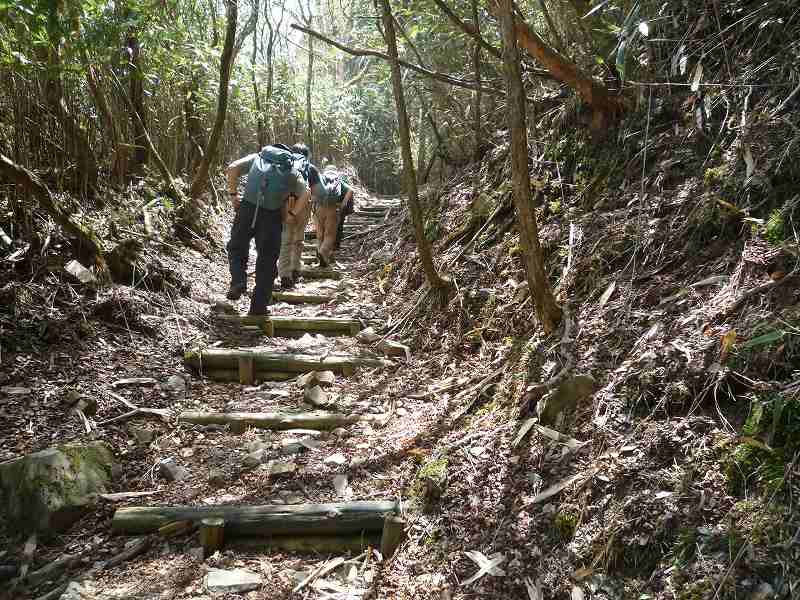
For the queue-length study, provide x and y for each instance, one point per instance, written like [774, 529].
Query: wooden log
[247, 373]
[282, 325]
[265, 520]
[394, 530]
[319, 273]
[212, 534]
[215, 359]
[319, 420]
[295, 298]
[314, 544]
[233, 375]
[175, 528]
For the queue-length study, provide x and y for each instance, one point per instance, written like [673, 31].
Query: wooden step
[316, 273]
[264, 520]
[227, 364]
[298, 298]
[280, 325]
[240, 421]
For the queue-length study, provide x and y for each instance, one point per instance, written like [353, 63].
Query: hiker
[293, 235]
[273, 178]
[346, 209]
[329, 197]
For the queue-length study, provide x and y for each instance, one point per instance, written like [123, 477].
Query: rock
[280, 468]
[291, 446]
[175, 385]
[143, 435]
[234, 581]
[258, 445]
[340, 432]
[223, 308]
[216, 477]
[565, 397]
[401, 412]
[763, 592]
[83, 590]
[367, 336]
[172, 471]
[252, 460]
[196, 554]
[316, 396]
[335, 459]
[392, 348]
[49, 490]
[323, 378]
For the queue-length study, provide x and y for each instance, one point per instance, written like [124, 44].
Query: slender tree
[547, 311]
[200, 181]
[423, 245]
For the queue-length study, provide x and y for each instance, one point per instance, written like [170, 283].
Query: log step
[320, 273]
[218, 360]
[240, 421]
[265, 520]
[282, 325]
[297, 298]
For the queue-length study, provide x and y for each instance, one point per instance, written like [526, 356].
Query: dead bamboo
[215, 359]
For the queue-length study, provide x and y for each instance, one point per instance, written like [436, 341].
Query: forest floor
[631, 500]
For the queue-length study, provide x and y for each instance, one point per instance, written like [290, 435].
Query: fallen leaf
[486, 565]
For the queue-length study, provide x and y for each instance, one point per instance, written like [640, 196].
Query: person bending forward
[260, 215]
[328, 197]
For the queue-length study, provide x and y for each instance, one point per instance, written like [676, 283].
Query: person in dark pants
[260, 216]
[347, 209]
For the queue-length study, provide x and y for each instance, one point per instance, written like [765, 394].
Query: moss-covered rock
[49, 490]
[431, 481]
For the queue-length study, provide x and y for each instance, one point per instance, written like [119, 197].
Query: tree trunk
[321, 421]
[422, 140]
[120, 154]
[190, 215]
[194, 127]
[260, 132]
[74, 133]
[138, 115]
[423, 245]
[90, 248]
[476, 65]
[606, 107]
[547, 310]
[309, 85]
[300, 519]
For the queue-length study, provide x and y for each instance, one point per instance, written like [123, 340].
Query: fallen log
[314, 544]
[295, 298]
[283, 325]
[216, 359]
[265, 520]
[323, 421]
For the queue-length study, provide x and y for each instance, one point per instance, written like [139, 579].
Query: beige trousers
[325, 221]
[292, 238]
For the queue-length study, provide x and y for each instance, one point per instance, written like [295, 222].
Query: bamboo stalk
[216, 359]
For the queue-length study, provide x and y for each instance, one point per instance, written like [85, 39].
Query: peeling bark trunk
[423, 246]
[191, 209]
[547, 311]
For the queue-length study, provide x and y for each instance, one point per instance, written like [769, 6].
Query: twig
[323, 569]
[760, 289]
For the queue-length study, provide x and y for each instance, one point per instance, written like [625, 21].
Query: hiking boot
[296, 275]
[236, 292]
[287, 283]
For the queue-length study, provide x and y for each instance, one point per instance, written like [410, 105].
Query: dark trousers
[267, 234]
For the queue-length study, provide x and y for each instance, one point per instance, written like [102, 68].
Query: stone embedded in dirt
[313, 433]
[257, 445]
[172, 471]
[336, 459]
[175, 384]
[224, 308]
[83, 590]
[216, 477]
[401, 412]
[143, 435]
[392, 348]
[566, 397]
[291, 446]
[275, 467]
[196, 554]
[316, 396]
[255, 458]
[340, 432]
[48, 491]
[367, 336]
[234, 581]
[322, 378]
[11, 390]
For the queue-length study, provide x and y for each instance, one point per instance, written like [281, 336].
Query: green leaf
[763, 340]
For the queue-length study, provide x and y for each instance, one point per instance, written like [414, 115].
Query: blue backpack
[331, 188]
[273, 169]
